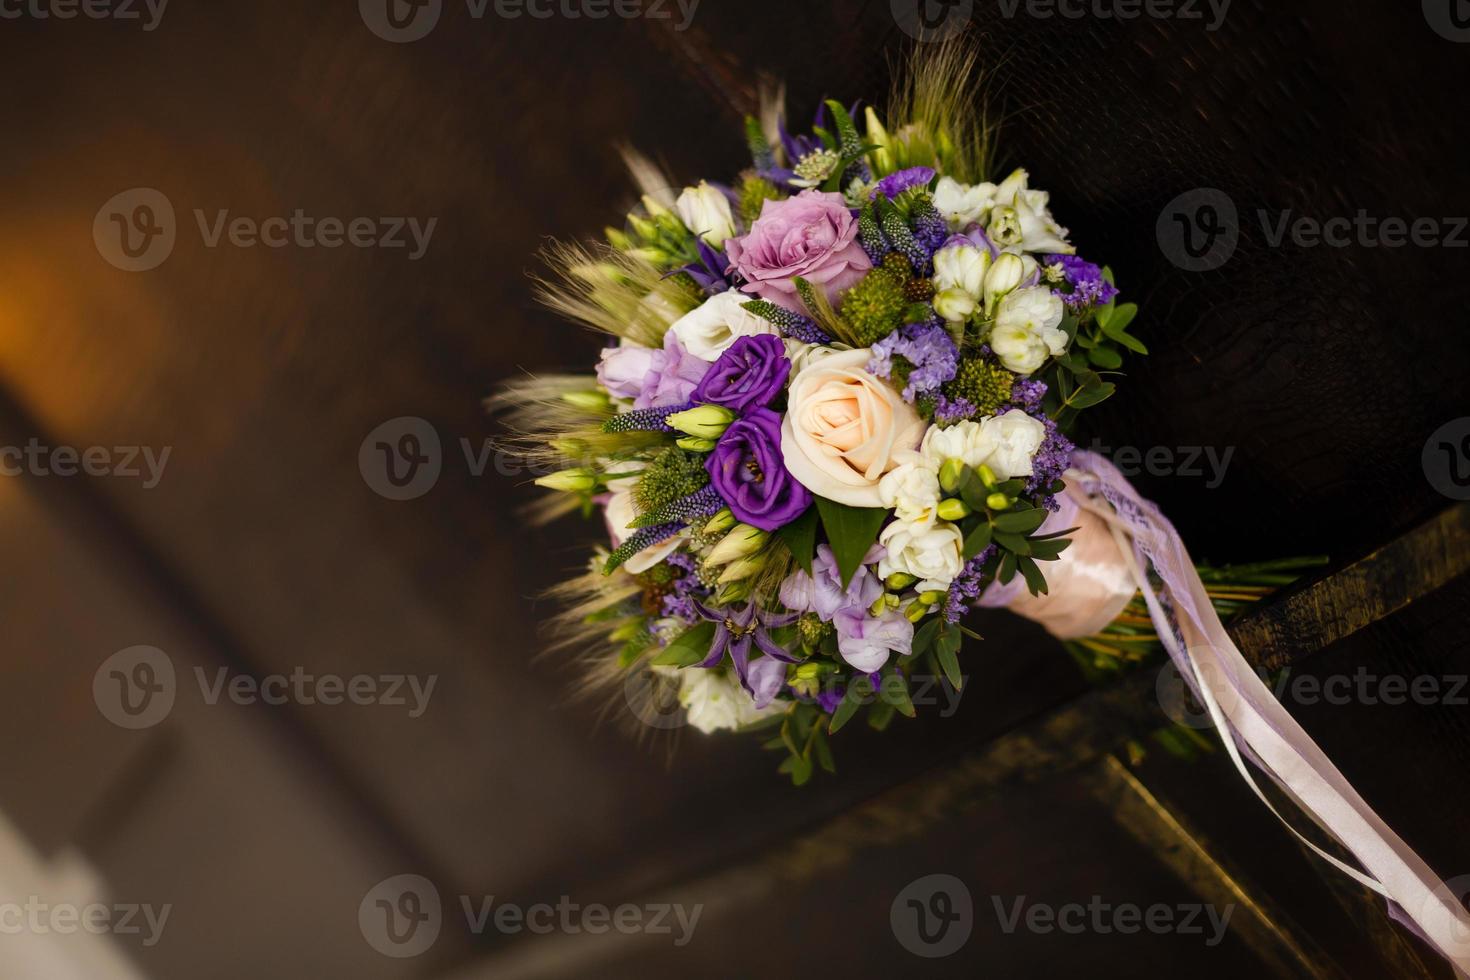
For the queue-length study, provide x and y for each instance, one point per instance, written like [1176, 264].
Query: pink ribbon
[1121, 537]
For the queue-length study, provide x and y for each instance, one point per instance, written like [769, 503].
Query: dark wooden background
[264, 550]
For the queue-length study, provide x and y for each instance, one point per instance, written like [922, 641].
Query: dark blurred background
[266, 544]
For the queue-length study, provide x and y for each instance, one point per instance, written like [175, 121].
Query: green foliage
[801, 538]
[672, 475]
[851, 531]
[754, 193]
[691, 647]
[875, 306]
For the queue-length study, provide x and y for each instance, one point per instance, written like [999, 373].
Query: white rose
[845, 428]
[1013, 439]
[961, 267]
[965, 440]
[1027, 329]
[713, 700]
[912, 492]
[706, 212]
[962, 204]
[932, 554]
[708, 331]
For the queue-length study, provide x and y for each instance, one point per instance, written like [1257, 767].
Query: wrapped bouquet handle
[1121, 537]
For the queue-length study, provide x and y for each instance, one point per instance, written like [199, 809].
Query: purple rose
[813, 235]
[747, 471]
[751, 372]
[652, 378]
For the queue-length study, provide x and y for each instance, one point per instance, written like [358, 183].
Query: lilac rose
[750, 373]
[747, 472]
[813, 235]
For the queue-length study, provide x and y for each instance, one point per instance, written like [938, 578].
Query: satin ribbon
[1122, 537]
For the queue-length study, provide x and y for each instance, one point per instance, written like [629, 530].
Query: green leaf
[1093, 395]
[1035, 581]
[973, 491]
[1017, 543]
[1106, 358]
[926, 635]
[1020, 521]
[894, 690]
[690, 648]
[1007, 568]
[824, 750]
[949, 662]
[857, 692]
[851, 531]
[1049, 549]
[977, 540]
[1120, 318]
[880, 716]
[801, 537]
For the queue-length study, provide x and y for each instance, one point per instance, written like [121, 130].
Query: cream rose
[844, 429]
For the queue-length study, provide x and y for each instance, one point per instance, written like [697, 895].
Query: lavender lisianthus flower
[749, 374]
[653, 378]
[866, 641]
[747, 470]
[822, 593]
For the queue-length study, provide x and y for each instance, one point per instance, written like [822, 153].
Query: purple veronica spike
[645, 419]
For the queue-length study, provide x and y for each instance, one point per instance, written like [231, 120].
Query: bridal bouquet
[832, 419]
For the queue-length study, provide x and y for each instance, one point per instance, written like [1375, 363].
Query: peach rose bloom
[844, 429]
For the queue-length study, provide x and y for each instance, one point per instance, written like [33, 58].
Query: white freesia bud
[1006, 273]
[961, 267]
[705, 210]
[955, 305]
[742, 540]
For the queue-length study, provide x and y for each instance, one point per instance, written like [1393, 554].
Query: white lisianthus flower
[705, 210]
[1027, 329]
[963, 204]
[1028, 219]
[934, 554]
[1014, 439]
[912, 492]
[961, 267]
[713, 700]
[965, 440]
[707, 332]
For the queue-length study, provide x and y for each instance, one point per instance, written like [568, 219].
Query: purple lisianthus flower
[749, 473]
[822, 593]
[866, 641]
[896, 183]
[653, 378]
[750, 373]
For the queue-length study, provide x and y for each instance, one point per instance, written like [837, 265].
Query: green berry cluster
[984, 384]
[754, 193]
[673, 474]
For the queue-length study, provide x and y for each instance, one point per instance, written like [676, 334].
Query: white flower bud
[705, 210]
[955, 305]
[1005, 274]
[961, 267]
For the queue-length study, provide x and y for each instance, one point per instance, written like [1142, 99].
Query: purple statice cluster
[687, 589]
[930, 352]
[966, 587]
[1085, 285]
[1026, 394]
[948, 411]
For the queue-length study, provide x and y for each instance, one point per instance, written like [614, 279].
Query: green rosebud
[998, 501]
[743, 540]
[579, 480]
[953, 509]
[932, 598]
[720, 523]
[952, 474]
[987, 476]
[588, 401]
[695, 445]
[702, 422]
[899, 581]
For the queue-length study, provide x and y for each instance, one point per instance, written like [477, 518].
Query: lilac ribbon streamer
[1260, 728]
